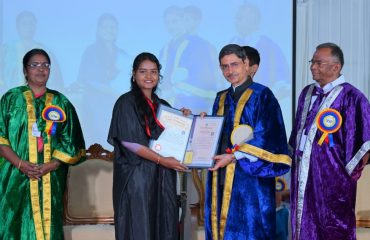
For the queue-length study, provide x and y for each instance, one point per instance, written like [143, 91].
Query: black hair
[336, 51]
[232, 49]
[252, 55]
[143, 107]
[33, 52]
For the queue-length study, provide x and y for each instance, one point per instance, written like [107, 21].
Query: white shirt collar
[328, 87]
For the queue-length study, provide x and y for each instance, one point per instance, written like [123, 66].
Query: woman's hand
[222, 161]
[48, 167]
[31, 170]
[185, 111]
[172, 163]
[202, 114]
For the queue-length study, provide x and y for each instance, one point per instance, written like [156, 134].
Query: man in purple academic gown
[331, 143]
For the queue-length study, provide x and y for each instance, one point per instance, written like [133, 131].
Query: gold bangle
[159, 157]
[20, 164]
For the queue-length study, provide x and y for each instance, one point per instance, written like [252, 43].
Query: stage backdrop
[92, 45]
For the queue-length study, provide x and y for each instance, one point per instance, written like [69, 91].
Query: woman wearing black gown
[144, 183]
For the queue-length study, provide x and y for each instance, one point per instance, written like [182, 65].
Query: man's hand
[222, 161]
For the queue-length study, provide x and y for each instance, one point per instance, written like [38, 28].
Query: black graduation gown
[144, 193]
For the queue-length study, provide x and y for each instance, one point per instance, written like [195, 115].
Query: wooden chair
[88, 205]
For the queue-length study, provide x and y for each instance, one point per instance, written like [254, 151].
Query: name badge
[35, 130]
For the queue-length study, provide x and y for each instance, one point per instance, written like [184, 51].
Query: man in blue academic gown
[240, 194]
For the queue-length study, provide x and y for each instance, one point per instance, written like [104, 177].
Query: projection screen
[92, 45]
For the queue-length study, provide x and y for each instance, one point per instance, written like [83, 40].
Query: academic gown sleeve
[68, 143]
[269, 143]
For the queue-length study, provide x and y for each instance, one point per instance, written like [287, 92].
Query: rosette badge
[280, 184]
[328, 121]
[52, 114]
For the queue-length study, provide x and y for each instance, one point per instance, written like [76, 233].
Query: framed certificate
[192, 140]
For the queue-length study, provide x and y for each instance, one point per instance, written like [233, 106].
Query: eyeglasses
[233, 65]
[320, 63]
[35, 65]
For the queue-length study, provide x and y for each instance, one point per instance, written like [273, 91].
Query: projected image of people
[101, 79]
[274, 69]
[190, 69]
[12, 52]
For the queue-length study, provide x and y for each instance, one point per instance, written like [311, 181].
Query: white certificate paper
[203, 141]
[191, 140]
[174, 139]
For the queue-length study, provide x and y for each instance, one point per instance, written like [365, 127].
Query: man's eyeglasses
[233, 65]
[35, 65]
[320, 63]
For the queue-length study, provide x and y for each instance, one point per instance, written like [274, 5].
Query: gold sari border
[34, 184]
[46, 184]
[4, 141]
